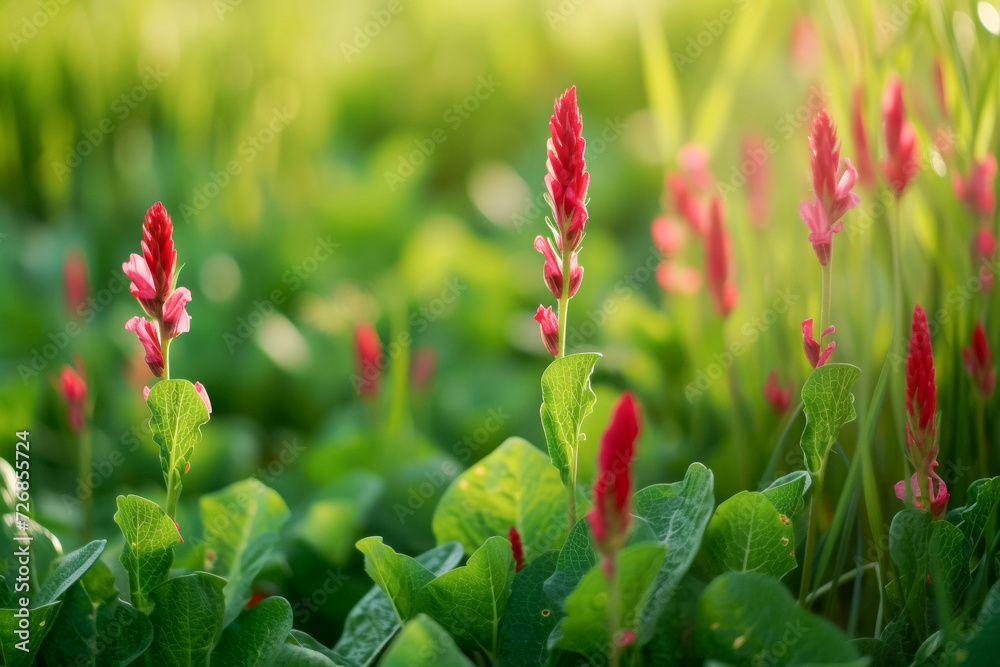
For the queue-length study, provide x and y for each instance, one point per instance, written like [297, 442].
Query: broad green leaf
[241, 525]
[255, 638]
[678, 514]
[669, 643]
[980, 509]
[828, 404]
[292, 655]
[309, 645]
[576, 558]
[187, 620]
[528, 620]
[423, 643]
[14, 639]
[469, 601]
[513, 486]
[150, 537]
[70, 568]
[398, 575]
[372, 622]
[748, 534]
[785, 493]
[747, 618]
[177, 415]
[96, 629]
[932, 561]
[585, 628]
[567, 399]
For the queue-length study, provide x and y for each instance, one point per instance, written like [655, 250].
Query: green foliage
[567, 399]
[787, 493]
[256, 637]
[150, 538]
[423, 643]
[40, 622]
[528, 620]
[513, 486]
[828, 405]
[178, 413]
[979, 515]
[399, 576]
[748, 534]
[187, 620]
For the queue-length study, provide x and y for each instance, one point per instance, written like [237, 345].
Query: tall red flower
[567, 177]
[367, 359]
[609, 519]
[778, 397]
[978, 359]
[862, 148]
[517, 549]
[901, 164]
[718, 262]
[833, 197]
[76, 286]
[73, 389]
[976, 190]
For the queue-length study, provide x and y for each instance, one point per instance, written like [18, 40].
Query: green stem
[173, 494]
[815, 508]
[613, 613]
[165, 349]
[564, 298]
[571, 496]
[824, 313]
[88, 499]
[844, 578]
[984, 466]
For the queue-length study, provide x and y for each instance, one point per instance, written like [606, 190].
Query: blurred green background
[410, 138]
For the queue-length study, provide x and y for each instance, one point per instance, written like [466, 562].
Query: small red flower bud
[73, 389]
[150, 339]
[610, 517]
[549, 324]
[175, 316]
[516, 548]
[367, 354]
[778, 397]
[816, 357]
[76, 286]
[978, 359]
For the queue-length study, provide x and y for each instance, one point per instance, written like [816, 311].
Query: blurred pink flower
[778, 397]
[816, 357]
[976, 190]
[717, 262]
[901, 164]
[73, 390]
[804, 47]
[678, 279]
[978, 359]
[984, 248]
[367, 356]
[668, 235]
[76, 286]
[424, 366]
[758, 174]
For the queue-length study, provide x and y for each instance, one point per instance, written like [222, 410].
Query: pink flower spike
[978, 359]
[200, 388]
[143, 286]
[158, 249]
[813, 354]
[976, 190]
[901, 164]
[517, 549]
[175, 316]
[549, 324]
[718, 262]
[610, 517]
[567, 177]
[146, 331]
[367, 359]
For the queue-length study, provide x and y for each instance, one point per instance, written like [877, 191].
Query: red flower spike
[549, 324]
[367, 355]
[175, 316]
[76, 285]
[150, 339]
[516, 548]
[901, 164]
[552, 270]
[158, 249]
[976, 189]
[567, 177]
[862, 149]
[816, 357]
[978, 359]
[73, 389]
[717, 262]
[921, 392]
[778, 397]
[609, 519]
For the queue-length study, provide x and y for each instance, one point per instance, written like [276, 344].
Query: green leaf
[70, 568]
[528, 620]
[40, 623]
[980, 509]
[828, 404]
[513, 486]
[678, 514]
[932, 560]
[187, 620]
[255, 638]
[96, 629]
[469, 601]
[585, 627]
[979, 646]
[424, 643]
[372, 622]
[305, 657]
[150, 537]
[785, 493]
[747, 618]
[177, 415]
[748, 534]
[398, 575]
[291, 655]
[567, 399]
[241, 525]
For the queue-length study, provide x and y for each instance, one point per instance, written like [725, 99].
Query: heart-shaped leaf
[786, 493]
[150, 537]
[567, 399]
[748, 534]
[424, 643]
[255, 638]
[828, 404]
[513, 486]
[177, 415]
[241, 525]
[187, 620]
[469, 601]
[398, 575]
[528, 620]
